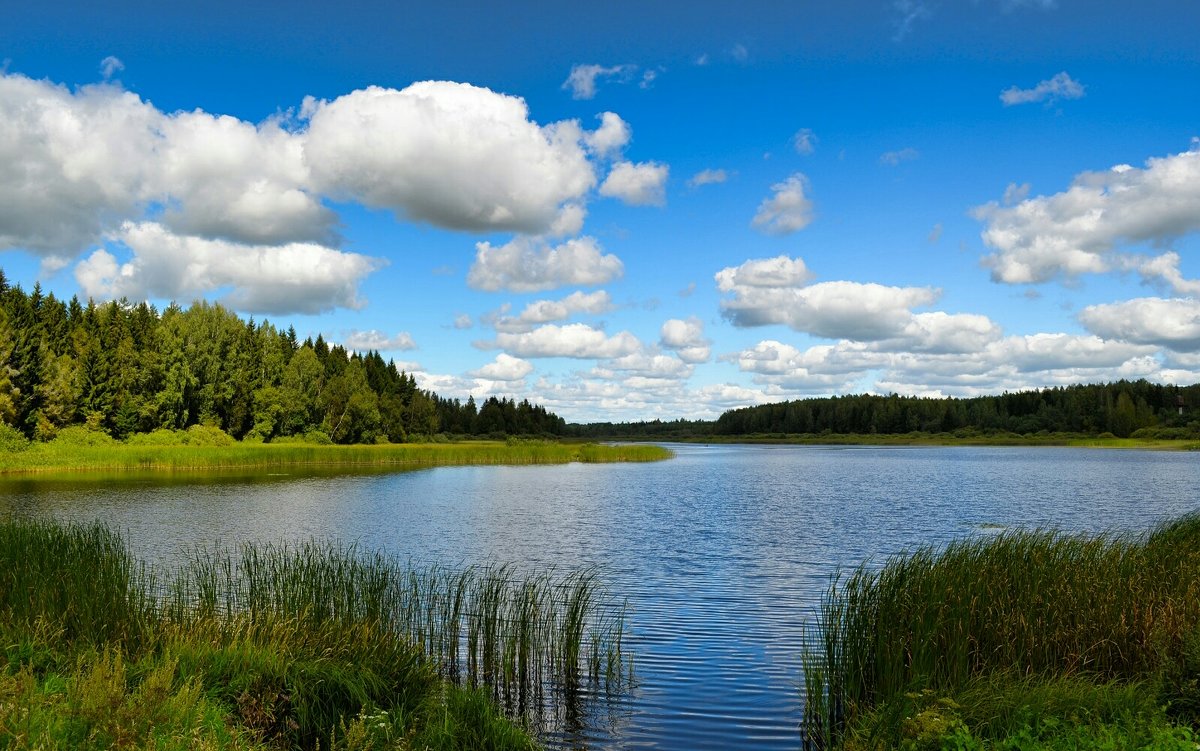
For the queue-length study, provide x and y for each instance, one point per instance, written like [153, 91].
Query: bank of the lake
[286, 646]
[102, 454]
[1024, 640]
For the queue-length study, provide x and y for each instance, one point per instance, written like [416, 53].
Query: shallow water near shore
[723, 551]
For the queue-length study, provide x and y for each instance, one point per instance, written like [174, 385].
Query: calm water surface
[723, 551]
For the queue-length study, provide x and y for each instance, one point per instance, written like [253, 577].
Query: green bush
[160, 437]
[79, 435]
[11, 439]
[205, 435]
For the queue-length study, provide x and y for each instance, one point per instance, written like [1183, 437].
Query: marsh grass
[518, 634]
[74, 456]
[81, 575]
[1020, 604]
[289, 645]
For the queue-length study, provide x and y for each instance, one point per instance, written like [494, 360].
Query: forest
[128, 368]
[1121, 408]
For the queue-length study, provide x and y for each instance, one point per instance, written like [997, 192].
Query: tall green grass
[290, 645]
[519, 634]
[81, 576]
[57, 456]
[1108, 608]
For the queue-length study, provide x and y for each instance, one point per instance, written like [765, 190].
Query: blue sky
[634, 210]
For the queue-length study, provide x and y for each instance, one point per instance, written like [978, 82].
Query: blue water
[723, 551]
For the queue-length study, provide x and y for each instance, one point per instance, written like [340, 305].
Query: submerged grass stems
[291, 645]
[116, 456]
[1022, 604]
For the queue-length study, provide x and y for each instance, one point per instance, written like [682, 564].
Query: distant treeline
[1120, 408]
[127, 369]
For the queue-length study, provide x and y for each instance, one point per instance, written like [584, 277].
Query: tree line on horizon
[128, 368]
[1120, 408]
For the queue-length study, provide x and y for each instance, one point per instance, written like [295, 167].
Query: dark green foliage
[127, 369]
[1119, 408]
[1123, 408]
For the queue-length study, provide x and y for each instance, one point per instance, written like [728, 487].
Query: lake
[723, 552]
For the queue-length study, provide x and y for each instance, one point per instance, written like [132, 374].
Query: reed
[298, 643]
[82, 577]
[1107, 607]
[519, 634]
[116, 456]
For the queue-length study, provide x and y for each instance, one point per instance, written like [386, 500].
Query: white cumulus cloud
[291, 278]
[640, 368]
[545, 311]
[1015, 362]
[528, 264]
[451, 154]
[612, 135]
[74, 163]
[773, 291]
[504, 368]
[686, 338]
[1169, 322]
[372, 339]
[835, 310]
[575, 340]
[641, 184]
[222, 177]
[780, 271]
[787, 210]
[1079, 230]
[942, 332]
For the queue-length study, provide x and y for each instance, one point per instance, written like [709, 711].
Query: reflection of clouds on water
[723, 551]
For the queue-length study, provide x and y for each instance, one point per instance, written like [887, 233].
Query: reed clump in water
[482, 625]
[1019, 606]
[288, 646]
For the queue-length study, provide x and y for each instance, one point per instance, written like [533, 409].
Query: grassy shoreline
[69, 457]
[305, 646]
[1023, 641]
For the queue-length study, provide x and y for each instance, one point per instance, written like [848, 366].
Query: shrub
[160, 437]
[11, 439]
[79, 435]
[206, 435]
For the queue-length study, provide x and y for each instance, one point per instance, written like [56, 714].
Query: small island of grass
[77, 449]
